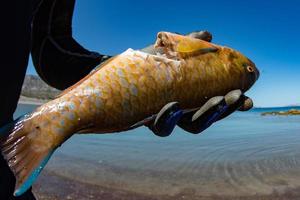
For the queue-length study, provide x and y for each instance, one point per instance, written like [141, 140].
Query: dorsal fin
[85, 78]
[184, 44]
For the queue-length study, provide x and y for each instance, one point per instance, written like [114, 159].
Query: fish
[123, 93]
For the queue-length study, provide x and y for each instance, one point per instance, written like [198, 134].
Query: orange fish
[121, 94]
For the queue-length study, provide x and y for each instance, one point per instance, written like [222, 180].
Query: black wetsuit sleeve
[59, 60]
[15, 44]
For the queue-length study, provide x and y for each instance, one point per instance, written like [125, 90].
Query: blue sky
[268, 32]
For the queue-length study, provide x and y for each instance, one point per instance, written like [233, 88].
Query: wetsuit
[44, 29]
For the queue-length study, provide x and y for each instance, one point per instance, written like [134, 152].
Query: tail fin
[18, 147]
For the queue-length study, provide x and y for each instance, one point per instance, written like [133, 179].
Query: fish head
[248, 71]
[231, 66]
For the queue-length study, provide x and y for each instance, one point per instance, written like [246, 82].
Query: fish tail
[18, 149]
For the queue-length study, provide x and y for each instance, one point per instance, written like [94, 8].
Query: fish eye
[250, 69]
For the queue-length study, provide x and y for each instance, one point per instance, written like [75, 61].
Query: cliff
[34, 87]
[289, 112]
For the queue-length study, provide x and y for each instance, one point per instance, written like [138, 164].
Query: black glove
[59, 60]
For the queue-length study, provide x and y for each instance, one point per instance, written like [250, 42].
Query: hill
[34, 87]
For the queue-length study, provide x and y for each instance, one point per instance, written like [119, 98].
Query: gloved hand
[197, 120]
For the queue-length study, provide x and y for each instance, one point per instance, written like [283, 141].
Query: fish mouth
[257, 73]
[253, 69]
[252, 75]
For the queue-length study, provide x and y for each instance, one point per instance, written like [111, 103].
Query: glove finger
[198, 121]
[214, 109]
[234, 100]
[166, 119]
[247, 104]
[211, 103]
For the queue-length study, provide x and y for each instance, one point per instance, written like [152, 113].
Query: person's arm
[15, 44]
[58, 59]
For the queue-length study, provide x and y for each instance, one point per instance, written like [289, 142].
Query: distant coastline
[282, 113]
[36, 88]
[36, 92]
[277, 107]
[32, 101]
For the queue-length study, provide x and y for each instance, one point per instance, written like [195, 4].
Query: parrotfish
[123, 93]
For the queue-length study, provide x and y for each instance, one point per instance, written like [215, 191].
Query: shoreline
[50, 186]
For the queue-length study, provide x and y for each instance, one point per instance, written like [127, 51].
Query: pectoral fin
[195, 46]
[184, 44]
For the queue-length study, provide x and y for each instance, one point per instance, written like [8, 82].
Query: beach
[245, 156]
[53, 187]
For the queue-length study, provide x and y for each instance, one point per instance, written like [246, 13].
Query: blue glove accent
[214, 117]
[170, 123]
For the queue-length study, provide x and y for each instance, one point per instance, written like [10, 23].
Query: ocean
[244, 154]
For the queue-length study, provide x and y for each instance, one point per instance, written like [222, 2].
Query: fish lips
[252, 75]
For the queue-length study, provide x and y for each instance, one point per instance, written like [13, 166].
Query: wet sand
[53, 187]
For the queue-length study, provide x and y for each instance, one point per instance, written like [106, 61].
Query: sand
[52, 187]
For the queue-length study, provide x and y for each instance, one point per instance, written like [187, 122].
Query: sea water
[244, 154]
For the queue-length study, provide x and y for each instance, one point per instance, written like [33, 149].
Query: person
[44, 29]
